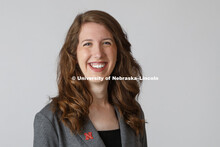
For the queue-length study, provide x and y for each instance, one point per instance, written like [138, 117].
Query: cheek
[112, 54]
[82, 56]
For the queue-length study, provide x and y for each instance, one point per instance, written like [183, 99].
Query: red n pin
[88, 135]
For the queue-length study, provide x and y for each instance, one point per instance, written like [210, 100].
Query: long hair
[73, 99]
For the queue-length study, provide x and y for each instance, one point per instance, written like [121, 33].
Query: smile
[98, 66]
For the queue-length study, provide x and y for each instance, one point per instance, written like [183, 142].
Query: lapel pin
[88, 135]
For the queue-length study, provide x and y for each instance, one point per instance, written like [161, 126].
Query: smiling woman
[94, 113]
[96, 51]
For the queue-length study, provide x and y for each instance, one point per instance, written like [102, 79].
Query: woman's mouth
[98, 66]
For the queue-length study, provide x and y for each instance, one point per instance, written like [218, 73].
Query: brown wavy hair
[73, 100]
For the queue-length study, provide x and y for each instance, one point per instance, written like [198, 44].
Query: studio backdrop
[174, 40]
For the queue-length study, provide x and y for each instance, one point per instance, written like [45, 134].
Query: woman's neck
[99, 92]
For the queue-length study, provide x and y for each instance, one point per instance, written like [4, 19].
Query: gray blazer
[50, 132]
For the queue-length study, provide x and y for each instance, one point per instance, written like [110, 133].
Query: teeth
[96, 65]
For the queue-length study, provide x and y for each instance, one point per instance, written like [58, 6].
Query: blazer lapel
[90, 136]
[128, 138]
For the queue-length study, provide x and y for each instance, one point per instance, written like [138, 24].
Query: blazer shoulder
[46, 128]
[47, 112]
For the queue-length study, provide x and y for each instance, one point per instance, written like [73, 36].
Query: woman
[96, 111]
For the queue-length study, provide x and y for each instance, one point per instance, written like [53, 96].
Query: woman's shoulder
[46, 127]
[46, 114]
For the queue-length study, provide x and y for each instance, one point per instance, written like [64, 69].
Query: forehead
[93, 30]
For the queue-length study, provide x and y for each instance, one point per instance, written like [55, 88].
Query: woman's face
[96, 50]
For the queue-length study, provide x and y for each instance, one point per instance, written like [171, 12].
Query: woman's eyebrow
[108, 39]
[92, 40]
[86, 40]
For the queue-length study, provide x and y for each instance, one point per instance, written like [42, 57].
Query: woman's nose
[97, 51]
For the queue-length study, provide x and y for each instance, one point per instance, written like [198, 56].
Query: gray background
[176, 40]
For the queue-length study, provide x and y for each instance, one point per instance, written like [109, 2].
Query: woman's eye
[87, 44]
[107, 43]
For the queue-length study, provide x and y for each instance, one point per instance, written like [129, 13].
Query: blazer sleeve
[44, 132]
[144, 137]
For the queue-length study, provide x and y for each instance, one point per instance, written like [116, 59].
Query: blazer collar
[94, 140]
[127, 134]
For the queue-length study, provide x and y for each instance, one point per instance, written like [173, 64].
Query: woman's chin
[97, 80]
